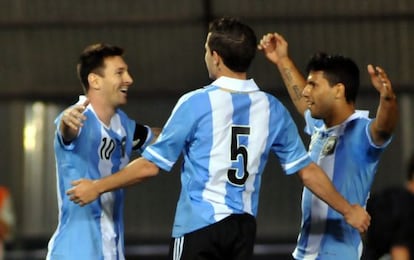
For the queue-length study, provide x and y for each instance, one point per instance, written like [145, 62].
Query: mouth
[309, 103]
[124, 90]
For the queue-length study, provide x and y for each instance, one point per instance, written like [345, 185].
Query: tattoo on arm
[298, 93]
[288, 76]
[290, 83]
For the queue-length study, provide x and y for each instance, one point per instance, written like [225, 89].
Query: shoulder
[124, 116]
[121, 113]
[198, 93]
[275, 104]
[194, 97]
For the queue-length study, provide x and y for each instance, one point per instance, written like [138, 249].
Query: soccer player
[94, 139]
[225, 132]
[345, 142]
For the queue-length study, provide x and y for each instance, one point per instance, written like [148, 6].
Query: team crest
[329, 146]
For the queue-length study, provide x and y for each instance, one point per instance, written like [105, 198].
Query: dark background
[164, 42]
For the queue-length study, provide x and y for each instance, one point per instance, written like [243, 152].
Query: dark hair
[92, 60]
[410, 169]
[234, 41]
[337, 69]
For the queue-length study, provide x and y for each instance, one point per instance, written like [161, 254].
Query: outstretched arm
[318, 182]
[71, 121]
[86, 191]
[386, 119]
[275, 48]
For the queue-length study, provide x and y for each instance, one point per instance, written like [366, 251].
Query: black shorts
[230, 238]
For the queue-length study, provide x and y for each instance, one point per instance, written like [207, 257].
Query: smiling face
[114, 81]
[319, 95]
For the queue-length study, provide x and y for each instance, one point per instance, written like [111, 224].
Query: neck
[339, 115]
[103, 110]
[226, 72]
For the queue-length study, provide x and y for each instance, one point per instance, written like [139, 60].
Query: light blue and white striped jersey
[94, 231]
[225, 132]
[348, 155]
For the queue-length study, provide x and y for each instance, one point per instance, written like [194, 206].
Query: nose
[128, 79]
[306, 90]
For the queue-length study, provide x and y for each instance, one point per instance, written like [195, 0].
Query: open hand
[380, 81]
[73, 116]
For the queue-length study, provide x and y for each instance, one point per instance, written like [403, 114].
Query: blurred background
[164, 43]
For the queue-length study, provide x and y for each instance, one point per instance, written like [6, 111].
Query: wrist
[347, 210]
[282, 61]
[98, 186]
[389, 97]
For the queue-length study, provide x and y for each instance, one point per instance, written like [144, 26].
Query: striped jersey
[94, 231]
[225, 132]
[347, 154]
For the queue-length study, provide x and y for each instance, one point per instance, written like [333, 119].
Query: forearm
[320, 185]
[136, 171]
[386, 119]
[67, 133]
[294, 82]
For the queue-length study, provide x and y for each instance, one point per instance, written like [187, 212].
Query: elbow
[380, 135]
[152, 169]
[307, 174]
[140, 169]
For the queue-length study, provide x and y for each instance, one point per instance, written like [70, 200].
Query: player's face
[208, 58]
[116, 80]
[319, 95]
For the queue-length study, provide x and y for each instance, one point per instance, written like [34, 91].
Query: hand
[274, 47]
[380, 81]
[73, 117]
[83, 192]
[358, 218]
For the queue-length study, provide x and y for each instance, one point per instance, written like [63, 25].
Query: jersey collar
[236, 85]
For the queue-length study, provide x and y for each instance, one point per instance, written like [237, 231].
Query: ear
[93, 80]
[216, 58]
[340, 90]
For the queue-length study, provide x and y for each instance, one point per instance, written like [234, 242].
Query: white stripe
[257, 142]
[107, 202]
[215, 188]
[178, 248]
[159, 157]
[59, 201]
[320, 209]
[287, 166]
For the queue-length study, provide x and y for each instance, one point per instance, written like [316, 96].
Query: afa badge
[329, 146]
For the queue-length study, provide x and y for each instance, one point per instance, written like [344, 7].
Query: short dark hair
[234, 41]
[92, 60]
[337, 69]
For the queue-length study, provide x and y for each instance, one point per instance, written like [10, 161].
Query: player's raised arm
[275, 48]
[386, 119]
[72, 120]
